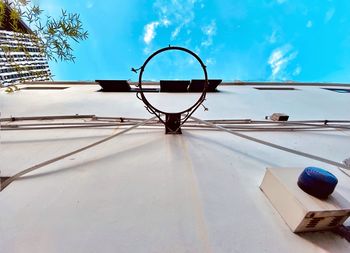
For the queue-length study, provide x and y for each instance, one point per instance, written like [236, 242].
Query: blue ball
[317, 182]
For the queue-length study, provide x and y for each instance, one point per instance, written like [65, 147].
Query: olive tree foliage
[53, 36]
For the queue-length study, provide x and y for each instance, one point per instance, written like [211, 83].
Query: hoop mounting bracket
[173, 123]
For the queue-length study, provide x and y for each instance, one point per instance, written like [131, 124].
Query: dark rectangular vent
[274, 88]
[336, 221]
[45, 88]
[197, 85]
[338, 90]
[114, 85]
[174, 85]
[313, 222]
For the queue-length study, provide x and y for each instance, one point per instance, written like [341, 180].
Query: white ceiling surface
[149, 192]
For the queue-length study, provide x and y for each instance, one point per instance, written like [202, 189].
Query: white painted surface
[149, 192]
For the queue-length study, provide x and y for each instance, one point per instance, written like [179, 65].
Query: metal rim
[201, 98]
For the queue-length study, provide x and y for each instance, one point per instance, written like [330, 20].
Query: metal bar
[91, 125]
[47, 117]
[67, 124]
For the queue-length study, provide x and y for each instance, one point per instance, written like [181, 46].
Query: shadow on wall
[327, 240]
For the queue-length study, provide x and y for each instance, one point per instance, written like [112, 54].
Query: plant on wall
[51, 37]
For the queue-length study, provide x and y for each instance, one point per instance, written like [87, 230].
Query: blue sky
[300, 40]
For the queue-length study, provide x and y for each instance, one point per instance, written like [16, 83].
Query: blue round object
[317, 182]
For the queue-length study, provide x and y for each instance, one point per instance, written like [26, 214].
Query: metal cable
[293, 151]
[42, 164]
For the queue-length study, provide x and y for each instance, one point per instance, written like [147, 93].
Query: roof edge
[225, 83]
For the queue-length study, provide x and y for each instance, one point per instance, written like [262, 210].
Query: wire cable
[293, 151]
[9, 180]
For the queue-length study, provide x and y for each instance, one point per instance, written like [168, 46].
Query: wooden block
[301, 211]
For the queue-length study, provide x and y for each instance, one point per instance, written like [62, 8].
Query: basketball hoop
[173, 120]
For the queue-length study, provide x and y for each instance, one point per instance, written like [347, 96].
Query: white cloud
[175, 19]
[89, 4]
[181, 13]
[281, 1]
[279, 60]
[150, 32]
[150, 29]
[209, 31]
[329, 15]
[210, 61]
[175, 32]
[165, 22]
[191, 61]
[273, 38]
[309, 24]
[197, 50]
[297, 71]
[171, 13]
